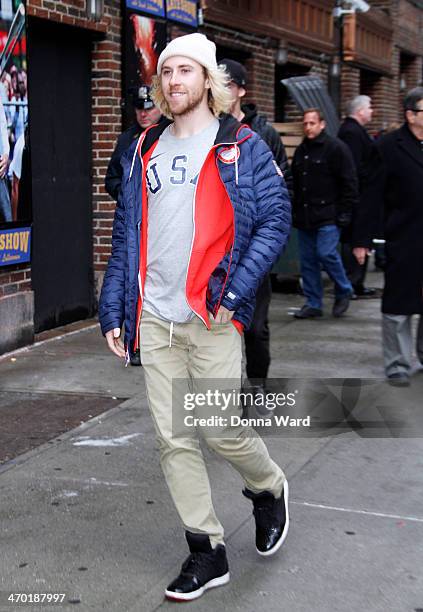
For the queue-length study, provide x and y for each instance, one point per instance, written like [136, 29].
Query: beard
[193, 100]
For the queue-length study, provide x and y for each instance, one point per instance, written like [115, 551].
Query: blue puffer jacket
[240, 169]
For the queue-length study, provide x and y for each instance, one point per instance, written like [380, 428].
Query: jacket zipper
[226, 279]
[138, 149]
[137, 324]
[220, 144]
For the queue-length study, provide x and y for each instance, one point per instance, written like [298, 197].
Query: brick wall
[15, 281]
[408, 34]
[304, 62]
[407, 22]
[106, 126]
[350, 83]
[260, 67]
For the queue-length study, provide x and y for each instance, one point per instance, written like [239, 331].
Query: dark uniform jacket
[368, 164]
[402, 155]
[325, 183]
[114, 169]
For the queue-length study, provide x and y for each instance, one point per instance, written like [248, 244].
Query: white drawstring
[170, 334]
[140, 139]
[236, 164]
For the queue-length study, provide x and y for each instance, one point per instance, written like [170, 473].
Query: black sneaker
[365, 292]
[341, 305]
[272, 519]
[204, 569]
[307, 312]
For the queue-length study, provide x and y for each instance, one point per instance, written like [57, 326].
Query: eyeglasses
[417, 110]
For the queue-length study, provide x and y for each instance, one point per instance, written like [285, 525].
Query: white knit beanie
[195, 46]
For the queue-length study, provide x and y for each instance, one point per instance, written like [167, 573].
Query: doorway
[60, 133]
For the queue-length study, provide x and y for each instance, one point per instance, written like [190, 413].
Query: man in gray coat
[402, 153]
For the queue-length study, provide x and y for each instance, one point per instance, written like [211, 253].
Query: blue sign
[183, 11]
[15, 246]
[152, 7]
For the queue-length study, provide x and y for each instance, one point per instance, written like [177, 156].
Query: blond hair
[219, 96]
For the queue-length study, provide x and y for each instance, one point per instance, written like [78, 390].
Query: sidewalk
[88, 514]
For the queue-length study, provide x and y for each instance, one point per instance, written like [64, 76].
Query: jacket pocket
[323, 210]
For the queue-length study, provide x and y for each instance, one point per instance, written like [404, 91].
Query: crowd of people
[204, 197]
[340, 204]
[13, 124]
[354, 189]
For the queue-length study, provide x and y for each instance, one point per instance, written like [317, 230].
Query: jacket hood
[252, 118]
[250, 113]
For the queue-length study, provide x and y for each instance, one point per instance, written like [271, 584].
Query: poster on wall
[145, 40]
[15, 246]
[15, 177]
[152, 7]
[183, 11]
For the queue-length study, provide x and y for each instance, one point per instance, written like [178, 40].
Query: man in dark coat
[368, 166]
[257, 338]
[146, 114]
[325, 193]
[402, 153]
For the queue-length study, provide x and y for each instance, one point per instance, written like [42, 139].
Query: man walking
[402, 153]
[257, 337]
[325, 192]
[218, 215]
[368, 165]
[146, 115]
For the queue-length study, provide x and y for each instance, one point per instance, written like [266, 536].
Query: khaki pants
[189, 351]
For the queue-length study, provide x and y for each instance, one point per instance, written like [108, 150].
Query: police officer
[146, 114]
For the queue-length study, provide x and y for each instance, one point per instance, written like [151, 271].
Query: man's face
[415, 119]
[184, 85]
[366, 113]
[14, 80]
[237, 93]
[312, 125]
[147, 116]
[22, 85]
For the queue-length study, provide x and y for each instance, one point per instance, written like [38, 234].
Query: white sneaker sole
[216, 582]
[282, 539]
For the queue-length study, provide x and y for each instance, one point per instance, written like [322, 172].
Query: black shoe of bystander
[307, 312]
[340, 306]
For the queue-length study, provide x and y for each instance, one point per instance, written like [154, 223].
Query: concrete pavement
[89, 515]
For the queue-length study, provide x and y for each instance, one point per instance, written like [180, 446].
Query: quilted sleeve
[112, 298]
